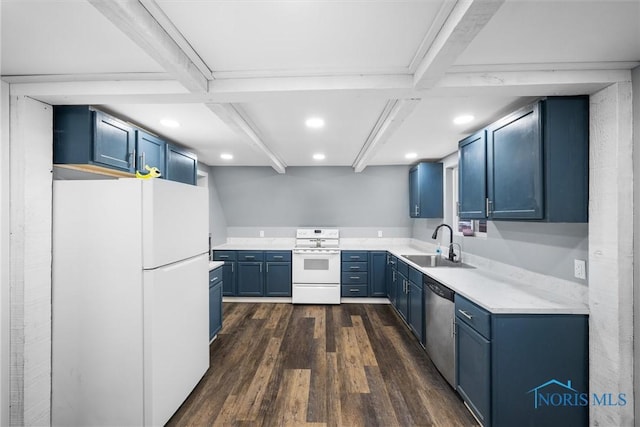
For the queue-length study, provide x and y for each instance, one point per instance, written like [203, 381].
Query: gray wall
[361, 204]
[217, 219]
[543, 248]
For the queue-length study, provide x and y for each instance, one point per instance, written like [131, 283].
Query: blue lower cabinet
[415, 311]
[355, 274]
[354, 290]
[215, 301]
[278, 279]
[523, 369]
[377, 274]
[402, 295]
[250, 279]
[228, 271]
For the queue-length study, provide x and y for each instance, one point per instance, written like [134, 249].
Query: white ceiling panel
[348, 121]
[430, 133]
[200, 130]
[304, 36]
[65, 37]
[532, 32]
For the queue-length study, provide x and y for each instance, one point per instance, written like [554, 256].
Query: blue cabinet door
[250, 279]
[414, 193]
[215, 310]
[415, 310]
[229, 278]
[377, 274]
[425, 190]
[182, 166]
[150, 151]
[114, 143]
[391, 290]
[514, 164]
[473, 370]
[278, 279]
[472, 172]
[402, 296]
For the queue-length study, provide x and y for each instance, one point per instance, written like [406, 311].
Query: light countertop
[215, 264]
[497, 293]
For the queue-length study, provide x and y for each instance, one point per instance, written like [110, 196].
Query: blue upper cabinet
[536, 166]
[472, 182]
[91, 140]
[514, 163]
[181, 165]
[425, 190]
[150, 152]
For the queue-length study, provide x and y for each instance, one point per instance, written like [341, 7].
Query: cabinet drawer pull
[465, 314]
[354, 257]
[354, 277]
[249, 257]
[223, 256]
[354, 290]
[354, 267]
[277, 257]
[213, 280]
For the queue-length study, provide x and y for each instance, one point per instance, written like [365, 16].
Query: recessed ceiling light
[464, 119]
[170, 123]
[314, 122]
[318, 156]
[226, 156]
[411, 155]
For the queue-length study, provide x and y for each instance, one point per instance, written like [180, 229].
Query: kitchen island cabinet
[518, 369]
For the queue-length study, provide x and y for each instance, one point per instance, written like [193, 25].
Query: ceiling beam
[462, 25]
[392, 116]
[133, 19]
[236, 119]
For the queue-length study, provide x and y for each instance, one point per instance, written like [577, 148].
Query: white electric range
[316, 266]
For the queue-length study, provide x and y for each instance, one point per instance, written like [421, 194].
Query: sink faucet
[452, 254]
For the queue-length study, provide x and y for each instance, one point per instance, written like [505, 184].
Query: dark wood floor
[298, 365]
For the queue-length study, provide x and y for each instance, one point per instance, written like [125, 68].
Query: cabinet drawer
[250, 256]
[355, 266]
[215, 276]
[224, 255]
[354, 291]
[415, 276]
[474, 316]
[354, 278]
[273, 256]
[354, 256]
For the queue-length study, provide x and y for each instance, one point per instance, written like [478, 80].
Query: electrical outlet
[379, 233]
[261, 233]
[579, 269]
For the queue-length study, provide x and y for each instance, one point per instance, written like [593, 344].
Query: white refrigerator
[130, 300]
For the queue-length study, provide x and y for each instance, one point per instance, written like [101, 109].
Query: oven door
[309, 267]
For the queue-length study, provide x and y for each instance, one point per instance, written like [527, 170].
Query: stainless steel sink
[434, 260]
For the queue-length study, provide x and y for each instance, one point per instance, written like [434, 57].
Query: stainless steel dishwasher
[439, 328]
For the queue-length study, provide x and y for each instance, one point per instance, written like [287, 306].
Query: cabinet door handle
[489, 203]
[132, 158]
[260, 267]
[393, 274]
[232, 267]
[458, 208]
[465, 314]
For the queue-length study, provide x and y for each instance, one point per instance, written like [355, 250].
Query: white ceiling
[387, 76]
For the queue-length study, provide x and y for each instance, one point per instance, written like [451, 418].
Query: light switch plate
[379, 233]
[261, 233]
[579, 269]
